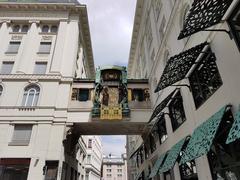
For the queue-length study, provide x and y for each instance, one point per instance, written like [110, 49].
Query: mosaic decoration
[157, 165]
[161, 106]
[202, 138]
[204, 14]
[172, 156]
[234, 133]
[178, 66]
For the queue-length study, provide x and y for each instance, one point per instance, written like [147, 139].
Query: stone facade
[157, 26]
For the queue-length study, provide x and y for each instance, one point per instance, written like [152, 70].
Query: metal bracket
[182, 85]
[221, 30]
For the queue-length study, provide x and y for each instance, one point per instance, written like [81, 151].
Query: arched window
[25, 28]
[1, 90]
[16, 28]
[45, 28]
[54, 29]
[31, 95]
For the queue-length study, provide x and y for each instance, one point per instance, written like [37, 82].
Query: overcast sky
[111, 23]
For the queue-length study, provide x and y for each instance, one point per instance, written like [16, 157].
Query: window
[7, 67]
[234, 22]
[54, 29]
[13, 47]
[138, 95]
[16, 28]
[90, 143]
[21, 135]
[176, 111]
[119, 170]
[224, 159]
[109, 175]
[205, 79]
[80, 94]
[40, 68]
[31, 95]
[45, 47]
[168, 175]
[14, 169]
[119, 175]
[162, 130]
[45, 29]
[188, 171]
[1, 90]
[25, 28]
[88, 159]
[51, 170]
[109, 170]
[152, 143]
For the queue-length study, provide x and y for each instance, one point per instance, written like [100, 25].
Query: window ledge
[48, 33]
[13, 53]
[18, 143]
[47, 53]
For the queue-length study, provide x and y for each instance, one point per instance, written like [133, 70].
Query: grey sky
[111, 23]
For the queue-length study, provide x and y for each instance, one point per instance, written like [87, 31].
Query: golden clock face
[111, 75]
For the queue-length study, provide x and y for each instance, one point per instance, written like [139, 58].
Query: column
[28, 49]
[3, 36]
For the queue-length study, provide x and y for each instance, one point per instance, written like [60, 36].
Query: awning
[136, 151]
[204, 14]
[172, 156]
[138, 175]
[157, 165]
[178, 66]
[234, 133]
[202, 137]
[161, 106]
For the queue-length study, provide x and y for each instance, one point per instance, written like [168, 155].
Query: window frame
[231, 24]
[2, 68]
[27, 92]
[162, 123]
[10, 49]
[195, 79]
[175, 105]
[17, 128]
[40, 63]
[43, 50]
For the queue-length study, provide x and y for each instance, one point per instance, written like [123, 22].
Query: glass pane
[45, 47]
[7, 67]
[40, 68]
[45, 28]
[13, 47]
[54, 29]
[30, 99]
[16, 28]
[25, 28]
[22, 133]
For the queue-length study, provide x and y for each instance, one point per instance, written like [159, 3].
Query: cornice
[33, 77]
[136, 29]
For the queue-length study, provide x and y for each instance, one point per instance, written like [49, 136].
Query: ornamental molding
[34, 78]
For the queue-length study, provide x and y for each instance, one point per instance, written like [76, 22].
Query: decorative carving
[178, 66]
[202, 138]
[234, 133]
[157, 165]
[172, 156]
[161, 106]
[16, 38]
[204, 14]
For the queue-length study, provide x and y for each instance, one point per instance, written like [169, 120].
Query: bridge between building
[110, 105]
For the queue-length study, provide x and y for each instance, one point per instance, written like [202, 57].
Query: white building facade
[44, 46]
[194, 89]
[94, 158]
[114, 168]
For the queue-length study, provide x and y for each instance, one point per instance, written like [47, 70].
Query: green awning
[202, 138]
[157, 165]
[172, 156]
[234, 133]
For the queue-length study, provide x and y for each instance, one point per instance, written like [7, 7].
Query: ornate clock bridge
[111, 104]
